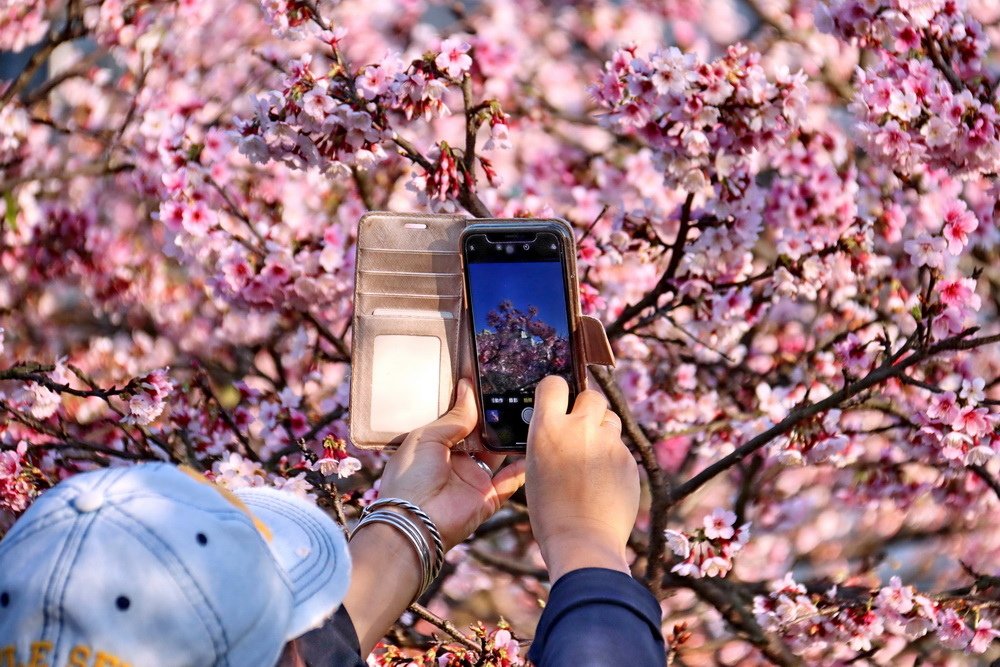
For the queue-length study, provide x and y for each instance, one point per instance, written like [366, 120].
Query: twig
[659, 485]
[94, 169]
[984, 474]
[71, 30]
[876, 377]
[324, 332]
[508, 566]
[665, 283]
[201, 379]
[446, 626]
[35, 373]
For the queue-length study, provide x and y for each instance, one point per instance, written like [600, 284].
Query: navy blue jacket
[594, 617]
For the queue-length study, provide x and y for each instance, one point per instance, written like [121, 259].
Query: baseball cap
[151, 565]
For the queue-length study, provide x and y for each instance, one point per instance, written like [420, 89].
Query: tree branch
[447, 626]
[665, 283]
[799, 414]
[659, 485]
[72, 29]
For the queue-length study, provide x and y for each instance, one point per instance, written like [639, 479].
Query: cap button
[88, 501]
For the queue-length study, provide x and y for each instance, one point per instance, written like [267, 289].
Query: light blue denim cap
[147, 566]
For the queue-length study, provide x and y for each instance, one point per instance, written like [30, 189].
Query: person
[582, 487]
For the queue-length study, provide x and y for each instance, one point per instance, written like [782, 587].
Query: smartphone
[523, 312]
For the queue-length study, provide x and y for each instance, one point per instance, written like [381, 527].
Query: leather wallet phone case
[410, 337]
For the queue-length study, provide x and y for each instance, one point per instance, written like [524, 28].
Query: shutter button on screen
[526, 415]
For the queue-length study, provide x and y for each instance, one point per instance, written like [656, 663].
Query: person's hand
[449, 486]
[582, 481]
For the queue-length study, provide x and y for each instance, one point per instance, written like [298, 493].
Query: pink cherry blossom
[719, 524]
[453, 57]
[786, 219]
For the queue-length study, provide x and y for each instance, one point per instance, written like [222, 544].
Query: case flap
[596, 347]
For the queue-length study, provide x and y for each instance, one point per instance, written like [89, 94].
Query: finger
[612, 421]
[509, 480]
[452, 427]
[592, 404]
[494, 461]
[551, 397]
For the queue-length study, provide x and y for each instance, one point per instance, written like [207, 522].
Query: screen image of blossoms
[516, 350]
[521, 324]
[786, 215]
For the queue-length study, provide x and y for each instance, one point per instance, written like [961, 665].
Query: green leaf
[10, 215]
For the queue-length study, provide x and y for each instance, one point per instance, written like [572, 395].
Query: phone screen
[519, 312]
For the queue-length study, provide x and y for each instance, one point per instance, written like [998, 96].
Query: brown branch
[364, 188]
[729, 602]
[201, 379]
[80, 69]
[876, 377]
[325, 333]
[934, 52]
[35, 373]
[467, 196]
[659, 485]
[94, 169]
[410, 151]
[72, 29]
[665, 283]
[447, 626]
[508, 566]
[984, 474]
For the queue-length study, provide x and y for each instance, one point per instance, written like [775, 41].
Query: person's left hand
[449, 486]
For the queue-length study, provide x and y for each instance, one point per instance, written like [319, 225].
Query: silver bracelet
[410, 530]
[426, 520]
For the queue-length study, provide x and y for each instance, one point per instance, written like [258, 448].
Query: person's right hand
[582, 481]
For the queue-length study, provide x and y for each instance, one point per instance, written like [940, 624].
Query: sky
[538, 284]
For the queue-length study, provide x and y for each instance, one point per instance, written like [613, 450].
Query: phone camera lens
[527, 246]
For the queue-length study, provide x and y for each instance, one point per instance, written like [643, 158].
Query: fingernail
[463, 389]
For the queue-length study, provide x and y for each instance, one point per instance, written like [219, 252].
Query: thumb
[452, 427]
[509, 480]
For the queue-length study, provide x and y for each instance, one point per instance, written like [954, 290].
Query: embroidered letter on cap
[7, 657]
[39, 654]
[103, 659]
[79, 656]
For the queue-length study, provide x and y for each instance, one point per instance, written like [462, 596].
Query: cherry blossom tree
[517, 349]
[786, 214]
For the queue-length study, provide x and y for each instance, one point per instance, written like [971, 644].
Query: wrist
[565, 553]
[379, 550]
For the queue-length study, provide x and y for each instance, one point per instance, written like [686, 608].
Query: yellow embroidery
[8, 657]
[39, 654]
[79, 656]
[103, 659]
[231, 497]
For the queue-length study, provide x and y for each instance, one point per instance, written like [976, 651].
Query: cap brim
[311, 549]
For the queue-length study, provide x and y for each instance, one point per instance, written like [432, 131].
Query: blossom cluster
[17, 489]
[710, 550]
[708, 121]
[815, 441]
[499, 648]
[813, 623]
[147, 403]
[775, 204]
[929, 110]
